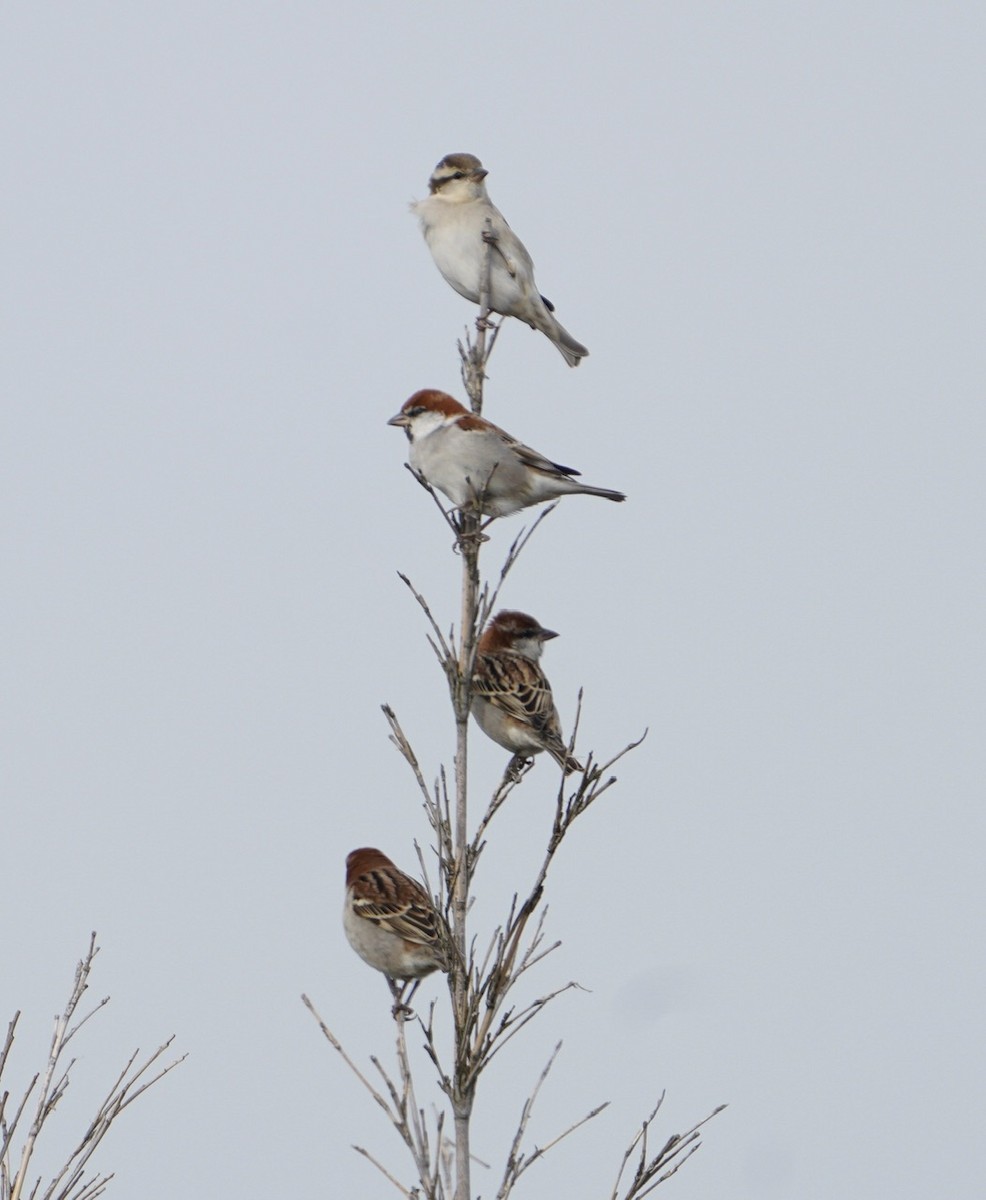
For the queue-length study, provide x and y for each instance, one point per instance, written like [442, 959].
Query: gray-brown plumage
[512, 700]
[453, 220]
[389, 918]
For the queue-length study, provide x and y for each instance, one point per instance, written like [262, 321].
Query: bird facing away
[453, 220]
[389, 918]
[476, 464]
[511, 698]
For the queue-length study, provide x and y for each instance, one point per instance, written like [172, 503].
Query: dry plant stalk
[71, 1181]
[481, 979]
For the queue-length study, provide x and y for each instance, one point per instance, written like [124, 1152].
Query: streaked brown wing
[518, 687]
[406, 911]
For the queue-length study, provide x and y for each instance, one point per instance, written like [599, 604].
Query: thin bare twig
[446, 513]
[444, 650]
[383, 1171]
[400, 740]
[517, 1163]
[516, 549]
[338, 1047]
[512, 776]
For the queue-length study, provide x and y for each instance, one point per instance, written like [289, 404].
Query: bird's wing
[479, 427]
[403, 909]
[508, 262]
[531, 458]
[510, 248]
[518, 687]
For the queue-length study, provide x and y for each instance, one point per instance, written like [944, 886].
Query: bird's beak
[401, 420]
[547, 634]
[480, 175]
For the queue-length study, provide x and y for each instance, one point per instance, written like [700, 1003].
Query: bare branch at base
[426, 1146]
[70, 1181]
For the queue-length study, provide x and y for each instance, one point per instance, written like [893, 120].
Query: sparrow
[453, 220]
[511, 698]
[477, 464]
[390, 920]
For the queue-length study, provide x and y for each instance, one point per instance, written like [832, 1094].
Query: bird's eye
[459, 175]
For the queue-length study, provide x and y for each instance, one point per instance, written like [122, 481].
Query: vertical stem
[469, 548]
[474, 358]
[474, 369]
[462, 1092]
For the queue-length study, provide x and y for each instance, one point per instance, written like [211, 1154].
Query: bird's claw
[518, 767]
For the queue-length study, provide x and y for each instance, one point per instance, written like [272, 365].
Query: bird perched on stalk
[391, 922]
[453, 219]
[476, 464]
[511, 698]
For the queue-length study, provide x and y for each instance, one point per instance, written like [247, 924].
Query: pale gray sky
[765, 221]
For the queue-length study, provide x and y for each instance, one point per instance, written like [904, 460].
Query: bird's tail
[571, 351]
[606, 493]
[559, 752]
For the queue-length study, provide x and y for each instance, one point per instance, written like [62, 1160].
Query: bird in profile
[391, 922]
[453, 219]
[511, 698]
[476, 464]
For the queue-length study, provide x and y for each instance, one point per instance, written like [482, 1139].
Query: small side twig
[446, 513]
[518, 1163]
[670, 1158]
[444, 649]
[488, 601]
